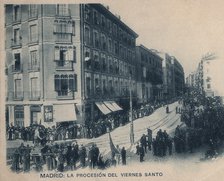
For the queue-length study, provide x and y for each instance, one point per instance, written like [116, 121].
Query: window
[88, 86]
[103, 21]
[33, 33]
[115, 30]
[62, 10]
[97, 87]
[87, 36]
[104, 63]
[110, 45]
[96, 39]
[109, 26]
[17, 64]
[110, 85]
[64, 56]
[96, 18]
[111, 66]
[19, 116]
[17, 16]
[87, 13]
[104, 86]
[65, 85]
[116, 46]
[18, 89]
[87, 58]
[16, 37]
[33, 11]
[208, 86]
[103, 42]
[208, 79]
[96, 60]
[34, 61]
[63, 30]
[34, 88]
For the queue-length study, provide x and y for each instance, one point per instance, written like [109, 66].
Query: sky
[186, 29]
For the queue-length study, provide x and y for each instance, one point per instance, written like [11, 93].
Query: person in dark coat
[90, 157]
[49, 159]
[61, 161]
[123, 156]
[141, 153]
[170, 145]
[154, 146]
[69, 156]
[15, 160]
[11, 132]
[96, 153]
[167, 109]
[26, 159]
[82, 155]
[74, 157]
[143, 142]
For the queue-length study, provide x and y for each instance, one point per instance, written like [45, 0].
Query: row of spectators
[204, 117]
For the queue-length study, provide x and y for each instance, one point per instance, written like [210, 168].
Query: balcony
[16, 20]
[63, 37]
[96, 66]
[17, 68]
[65, 95]
[33, 15]
[18, 95]
[34, 95]
[16, 43]
[63, 14]
[64, 65]
[33, 67]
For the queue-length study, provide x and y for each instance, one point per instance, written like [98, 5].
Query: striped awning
[103, 108]
[112, 106]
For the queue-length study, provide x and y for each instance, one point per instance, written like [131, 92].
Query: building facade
[66, 63]
[207, 77]
[149, 75]
[168, 88]
[178, 80]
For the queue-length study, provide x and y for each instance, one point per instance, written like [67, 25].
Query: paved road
[121, 136]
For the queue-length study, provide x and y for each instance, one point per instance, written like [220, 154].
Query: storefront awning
[103, 108]
[110, 106]
[64, 112]
[116, 106]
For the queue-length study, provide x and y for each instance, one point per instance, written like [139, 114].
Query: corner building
[67, 64]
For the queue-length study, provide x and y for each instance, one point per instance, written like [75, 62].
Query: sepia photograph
[102, 90]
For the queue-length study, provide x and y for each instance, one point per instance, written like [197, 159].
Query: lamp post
[131, 114]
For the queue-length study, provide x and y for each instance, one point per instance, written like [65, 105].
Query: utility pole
[131, 114]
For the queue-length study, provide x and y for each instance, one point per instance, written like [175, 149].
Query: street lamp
[131, 114]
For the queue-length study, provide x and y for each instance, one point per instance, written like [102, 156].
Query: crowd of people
[61, 157]
[47, 134]
[160, 146]
[204, 117]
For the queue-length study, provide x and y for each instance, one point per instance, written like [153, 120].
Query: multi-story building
[167, 74]
[190, 79]
[149, 75]
[178, 77]
[66, 63]
[207, 78]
